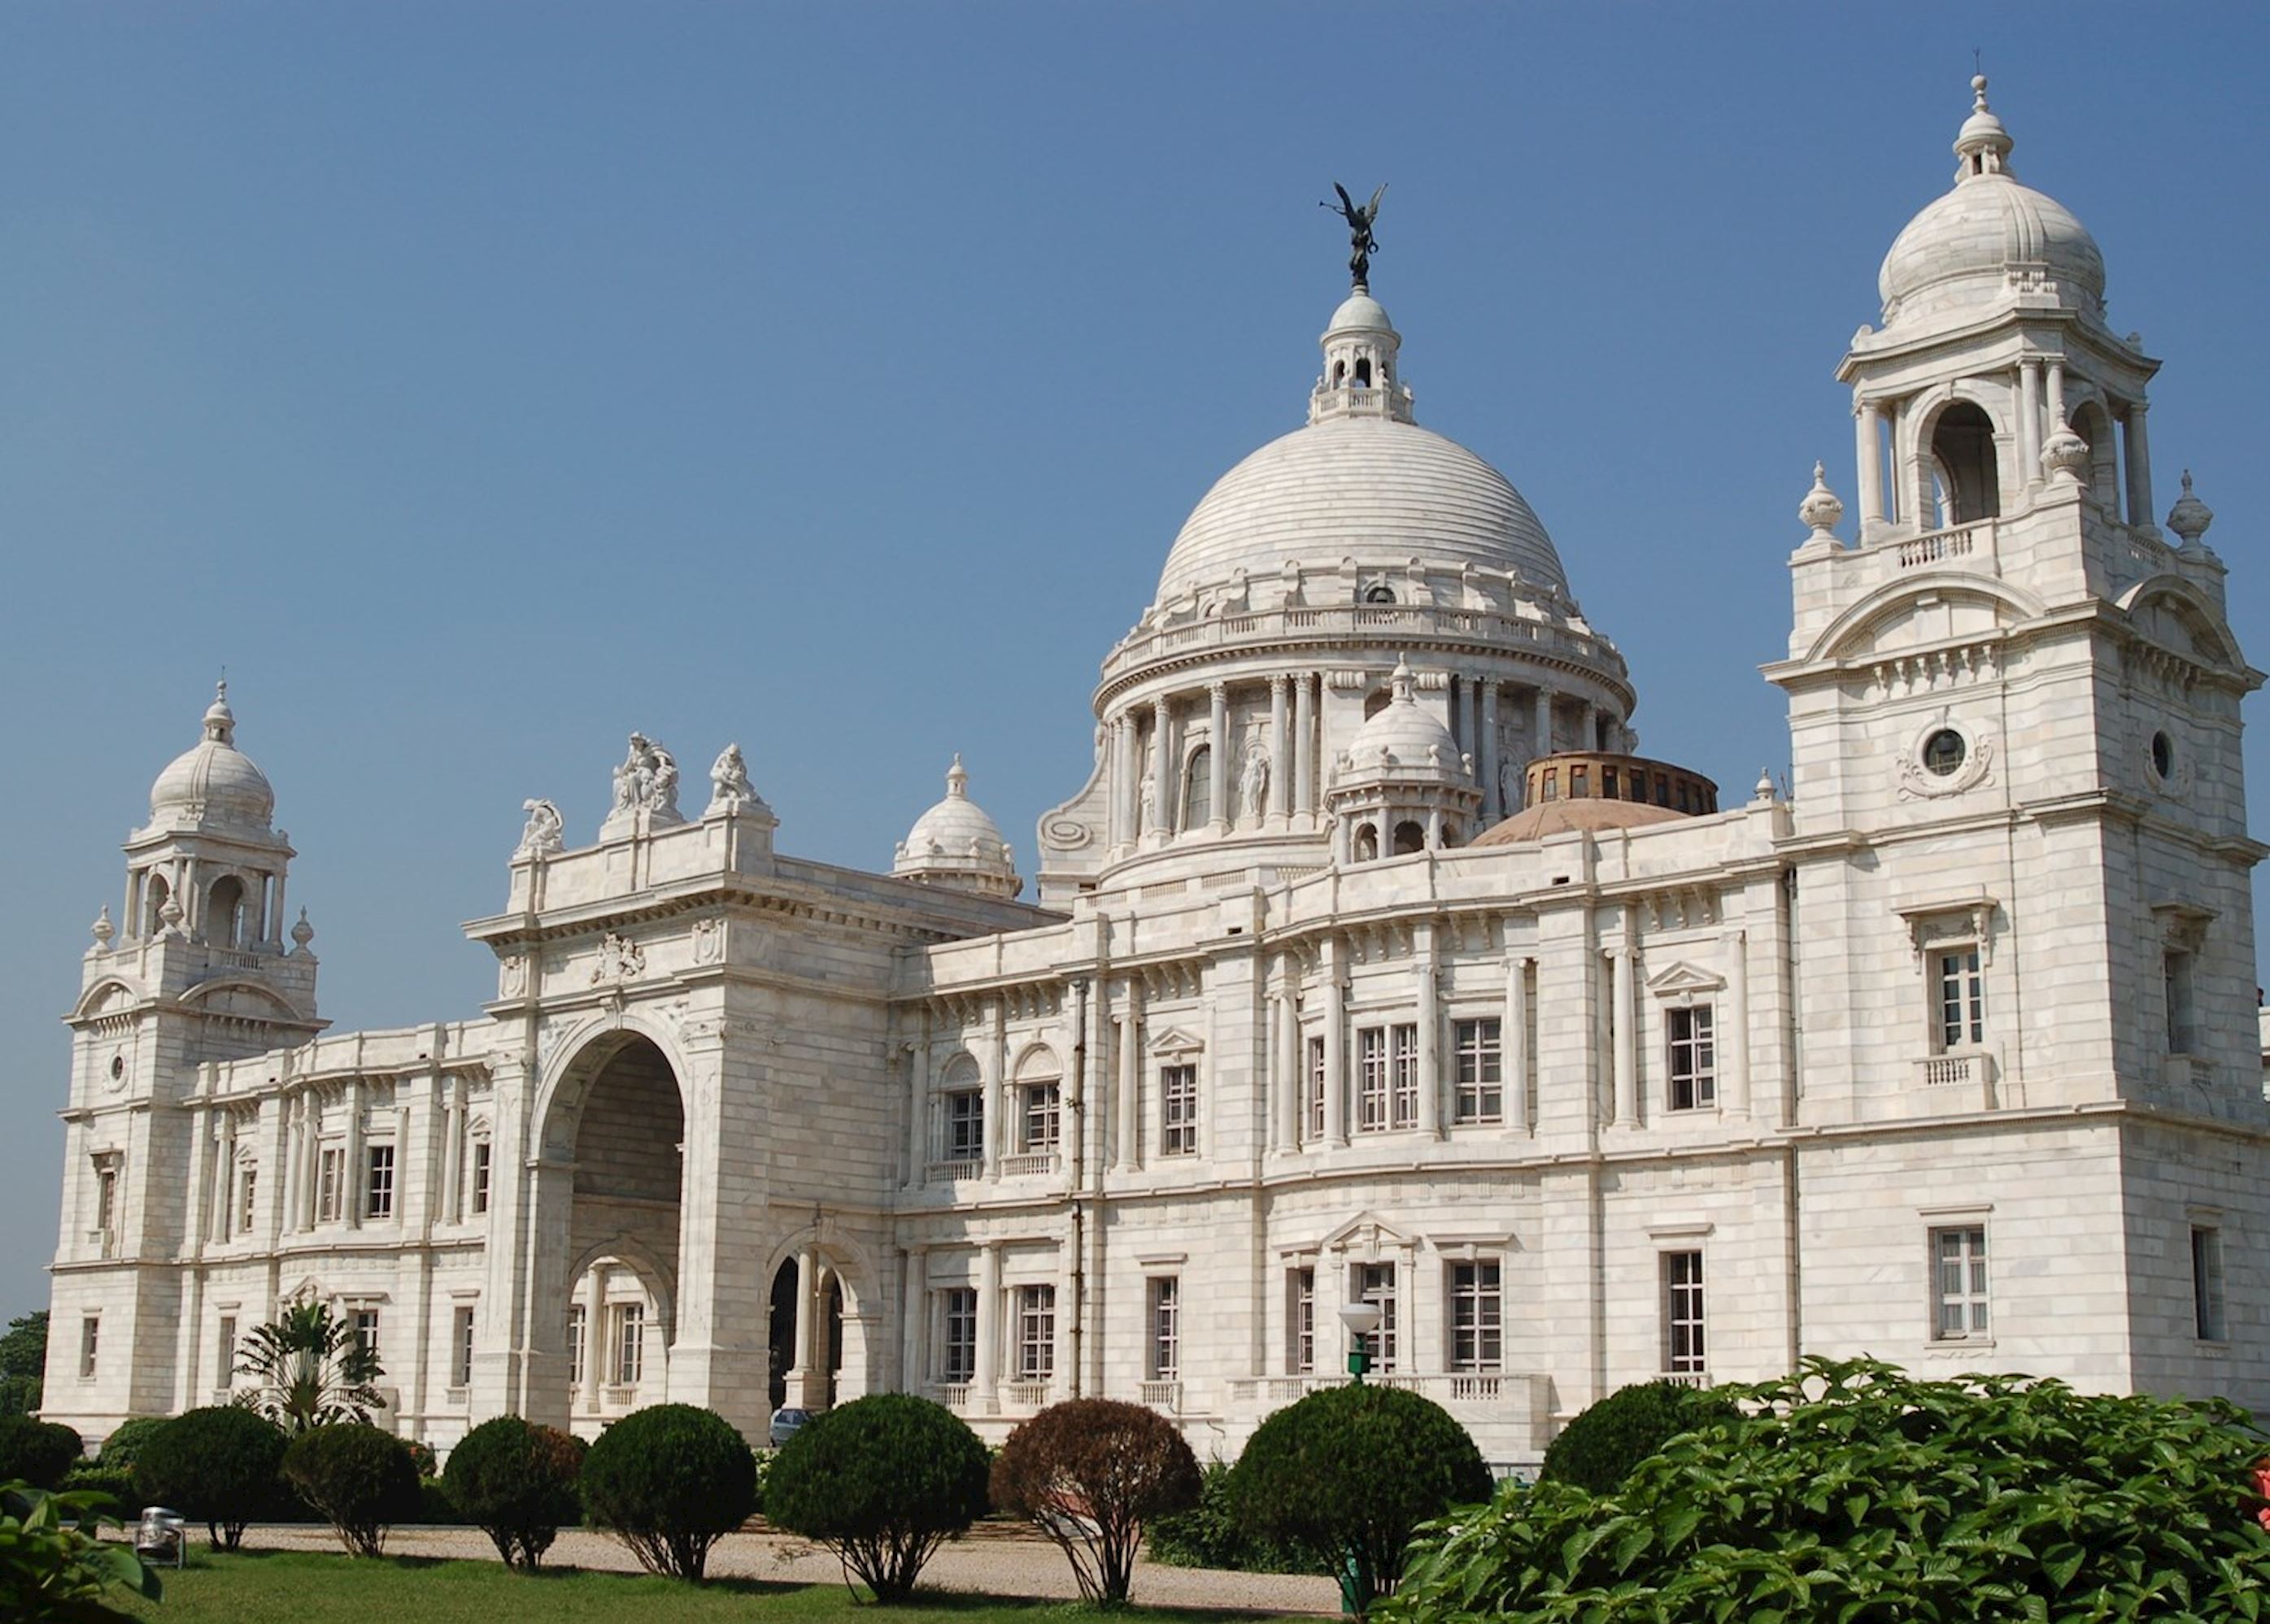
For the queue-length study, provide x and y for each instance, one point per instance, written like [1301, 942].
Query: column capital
[1217, 689]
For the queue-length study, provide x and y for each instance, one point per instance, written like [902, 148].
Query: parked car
[787, 1423]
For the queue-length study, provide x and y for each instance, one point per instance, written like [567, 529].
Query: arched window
[1962, 450]
[1409, 837]
[1367, 843]
[2090, 423]
[154, 905]
[224, 912]
[1198, 787]
[1339, 373]
[1379, 592]
[1363, 372]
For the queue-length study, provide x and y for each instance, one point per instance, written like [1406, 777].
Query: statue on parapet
[545, 832]
[729, 790]
[646, 781]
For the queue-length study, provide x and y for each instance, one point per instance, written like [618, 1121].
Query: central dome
[1367, 487]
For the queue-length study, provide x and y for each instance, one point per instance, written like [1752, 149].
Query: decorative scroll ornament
[620, 960]
[545, 833]
[1917, 781]
[1066, 834]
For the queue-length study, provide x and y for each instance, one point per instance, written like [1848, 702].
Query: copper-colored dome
[1546, 818]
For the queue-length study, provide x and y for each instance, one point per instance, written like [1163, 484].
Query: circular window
[1943, 751]
[117, 1067]
[2164, 755]
[1379, 593]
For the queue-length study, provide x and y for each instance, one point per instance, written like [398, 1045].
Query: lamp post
[1361, 1319]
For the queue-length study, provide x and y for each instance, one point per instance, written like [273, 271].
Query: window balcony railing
[1967, 544]
[1026, 1394]
[1041, 1162]
[1970, 1068]
[954, 1396]
[955, 1172]
[1162, 1395]
[1687, 1378]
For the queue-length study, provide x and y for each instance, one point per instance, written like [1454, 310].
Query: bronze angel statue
[1360, 243]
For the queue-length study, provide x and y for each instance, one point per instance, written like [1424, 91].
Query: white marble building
[1370, 960]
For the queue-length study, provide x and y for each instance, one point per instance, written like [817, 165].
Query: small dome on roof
[213, 782]
[1403, 743]
[1534, 823]
[1359, 312]
[956, 845]
[1989, 239]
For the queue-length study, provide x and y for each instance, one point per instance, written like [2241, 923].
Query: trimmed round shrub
[515, 1481]
[216, 1466]
[1350, 1472]
[881, 1482]
[1091, 1472]
[123, 1446]
[360, 1479]
[37, 1452]
[1598, 1448]
[669, 1480]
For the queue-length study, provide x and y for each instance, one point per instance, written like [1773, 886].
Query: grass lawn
[304, 1587]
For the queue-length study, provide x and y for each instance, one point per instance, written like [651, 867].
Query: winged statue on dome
[1360, 243]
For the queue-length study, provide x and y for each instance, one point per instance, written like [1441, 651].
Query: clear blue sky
[479, 382]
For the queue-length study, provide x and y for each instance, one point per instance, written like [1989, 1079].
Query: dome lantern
[213, 782]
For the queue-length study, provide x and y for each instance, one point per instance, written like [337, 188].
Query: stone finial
[303, 933]
[1764, 790]
[221, 721]
[103, 930]
[957, 780]
[170, 916]
[2190, 516]
[1820, 510]
[1982, 144]
[2064, 454]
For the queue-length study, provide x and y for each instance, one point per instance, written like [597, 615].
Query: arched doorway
[791, 1381]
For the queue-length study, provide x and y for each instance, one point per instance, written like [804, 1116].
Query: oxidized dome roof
[214, 781]
[955, 843]
[1367, 487]
[1989, 238]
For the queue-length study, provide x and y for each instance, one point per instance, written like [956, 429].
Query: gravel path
[994, 1561]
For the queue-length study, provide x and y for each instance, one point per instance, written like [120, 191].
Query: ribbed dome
[1403, 743]
[214, 780]
[1369, 488]
[955, 843]
[1989, 238]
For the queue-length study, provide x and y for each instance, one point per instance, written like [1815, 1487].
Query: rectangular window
[90, 1336]
[1579, 783]
[1683, 1350]
[1958, 1283]
[1694, 1069]
[327, 1187]
[1403, 1101]
[958, 1305]
[2207, 1284]
[1178, 1110]
[1962, 999]
[106, 1198]
[461, 1348]
[1042, 1117]
[1609, 788]
[1375, 1282]
[1480, 1051]
[1301, 1320]
[579, 1332]
[1036, 1332]
[1371, 1079]
[965, 1125]
[1313, 1107]
[366, 1330]
[226, 1364]
[1476, 1316]
[480, 1175]
[248, 1184]
[378, 1182]
[630, 1343]
[2175, 980]
[1166, 1329]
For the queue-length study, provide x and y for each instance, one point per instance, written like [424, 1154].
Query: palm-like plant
[312, 1368]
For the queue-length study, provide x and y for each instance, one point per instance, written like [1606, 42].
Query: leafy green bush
[216, 1466]
[516, 1482]
[360, 1479]
[38, 1452]
[1597, 1450]
[23, 1362]
[1091, 1472]
[1207, 1535]
[53, 1565]
[92, 1478]
[1855, 1492]
[669, 1480]
[124, 1444]
[881, 1482]
[1351, 1473]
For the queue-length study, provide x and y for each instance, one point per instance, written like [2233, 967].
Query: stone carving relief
[1917, 781]
[545, 832]
[619, 959]
[1066, 834]
[1253, 781]
[512, 976]
[709, 940]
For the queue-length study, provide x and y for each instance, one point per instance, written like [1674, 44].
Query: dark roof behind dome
[1534, 823]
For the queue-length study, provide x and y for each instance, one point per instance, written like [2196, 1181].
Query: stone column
[1290, 1061]
[1513, 1044]
[1280, 767]
[2029, 424]
[915, 1320]
[1336, 1127]
[1430, 1047]
[2139, 469]
[453, 1151]
[982, 1399]
[1734, 1033]
[1128, 1099]
[917, 1111]
[1540, 725]
[1494, 807]
[1626, 1069]
[1304, 746]
[2053, 397]
[1868, 455]
[1469, 714]
[806, 1381]
[350, 1180]
[996, 1086]
[1587, 726]
[596, 1350]
[1162, 767]
[1218, 754]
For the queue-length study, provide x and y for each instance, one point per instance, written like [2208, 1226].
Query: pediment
[1367, 1234]
[1176, 1042]
[1683, 982]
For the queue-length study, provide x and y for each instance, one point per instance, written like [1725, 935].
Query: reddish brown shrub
[1091, 1472]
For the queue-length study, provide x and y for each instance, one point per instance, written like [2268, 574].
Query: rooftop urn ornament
[2190, 516]
[303, 933]
[103, 930]
[1764, 790]
[2064, 454]
[170, 914]
[1820, 510]
[1361, 241]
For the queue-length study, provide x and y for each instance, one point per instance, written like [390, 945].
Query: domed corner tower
[1296, 587]
[2020, 696]
[957, 846]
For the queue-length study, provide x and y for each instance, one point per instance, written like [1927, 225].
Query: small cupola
[1402, 785]
[955, 845]
[1359, 378]
[213, 782]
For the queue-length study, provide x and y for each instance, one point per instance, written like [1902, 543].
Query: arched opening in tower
[1962, 451]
